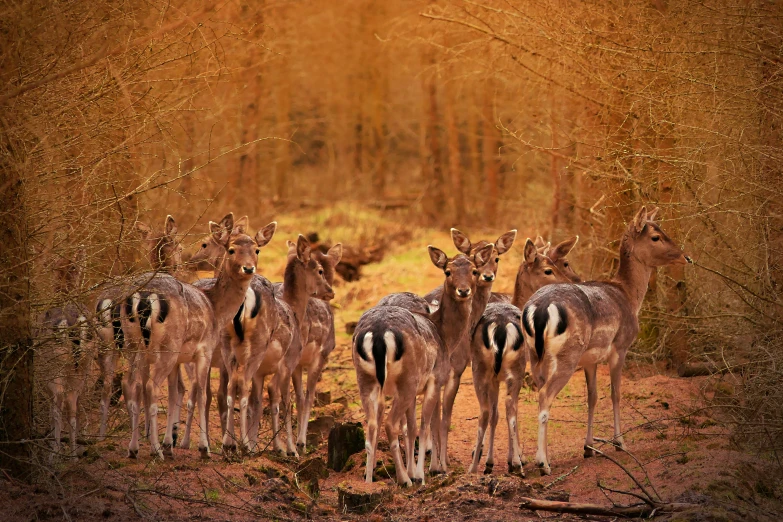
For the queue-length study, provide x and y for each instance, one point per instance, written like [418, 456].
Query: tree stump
[361, 497]
[308, 473]
[323, 398]
[344, 441]
[319, 429]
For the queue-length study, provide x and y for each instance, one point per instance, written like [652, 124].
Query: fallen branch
[640, 510]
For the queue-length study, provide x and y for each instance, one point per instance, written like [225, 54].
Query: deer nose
[488, 277]
[463, 292]
[248, 269]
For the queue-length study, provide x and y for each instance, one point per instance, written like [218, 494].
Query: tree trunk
[490, 148]
[455, 163]
[16, 354]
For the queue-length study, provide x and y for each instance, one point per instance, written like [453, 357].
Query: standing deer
[403, 354]
[317, 346]
[303, 280]
[496, 357]
[164, 254]
[182, 324]
[566, 326]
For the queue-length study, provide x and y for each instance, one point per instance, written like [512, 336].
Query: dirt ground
[673, 429]
[685, 453]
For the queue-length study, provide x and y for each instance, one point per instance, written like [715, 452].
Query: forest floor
[682, 449]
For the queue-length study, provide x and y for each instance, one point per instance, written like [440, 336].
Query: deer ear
[143, 229]
[530, 252]
[240, 225]
[639, 220]
[438, 257]
[228, 221]
[540, 242]
[504, 242]
[303, 249]
[483, 255]
[562, 250]
[220, 233]
[264, 235]
[170, 226]
[335, 254]
[461, 241]
[652, 213]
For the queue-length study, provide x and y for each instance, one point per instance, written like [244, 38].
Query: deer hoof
[167, 452]
[204, 453]
[589, 452]
[489, 468]
[544, 469]
[516, 469]
[133, 454]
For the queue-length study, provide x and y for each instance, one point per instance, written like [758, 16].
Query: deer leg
[190, 406]
[57, 415]
[482, 396]
[514, 449]
[180, 397]
[235, 380]
[436, 464]
[145, 377]
[72, 399]
[255, 410]
[151, 390]
[616, 373]
[399, 407]
[132, 390]
[202, 376]
[493, 390]
[171, 419]
[592, 399]
[221, 398]
[546, 397]
[274, 399]
[410, 438]
[374, 410]
[245, 389]
[106, 362]
[299, 393]
[284, 376]
[429, 410]
[449, 395]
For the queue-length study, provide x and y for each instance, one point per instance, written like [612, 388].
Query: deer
[164, 254]
[213, 253]
[317, 346]
[496, 357]
[303, 280]
[403, 354]
[71, 347]
[585, 324]
[179, 324]
[532, 272]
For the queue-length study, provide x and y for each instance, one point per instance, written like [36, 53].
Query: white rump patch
[491, 334]
[155, 307]
[136, 299]
[554, 319]
[529, 318]
[391, 350]
[250, 302]
[367, 345]
[512, 335]
[105, 311]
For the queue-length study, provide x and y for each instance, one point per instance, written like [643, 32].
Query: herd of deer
[409, 345]
[237, 321]
[404, 347]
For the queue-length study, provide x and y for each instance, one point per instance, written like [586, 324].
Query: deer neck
[295, 292]
[479, 303]
[452, 320]
[633, 276]
[522, 291]
[226, 296]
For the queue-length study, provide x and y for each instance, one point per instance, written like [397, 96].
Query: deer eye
[475, 272]
[656, 238]
[203, 245]
[565, 264]
[448, 273]
[548, 271]
[321, 272]
[258, 251]
[497, 260]
[231, 251]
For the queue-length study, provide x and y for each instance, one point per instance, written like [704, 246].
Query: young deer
[164, 254]
[496, 357]
[318, 344]
[403, 354]
[566, 326]
[304, 279]
[181, 324]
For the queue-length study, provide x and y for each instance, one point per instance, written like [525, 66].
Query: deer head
[460, 271]
[163, 249]
[537, 270]
[302, 267]
[329, 261]
[489, 270]
[557, 255]
[648, 243]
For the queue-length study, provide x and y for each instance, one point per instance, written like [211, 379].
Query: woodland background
[555, 117]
